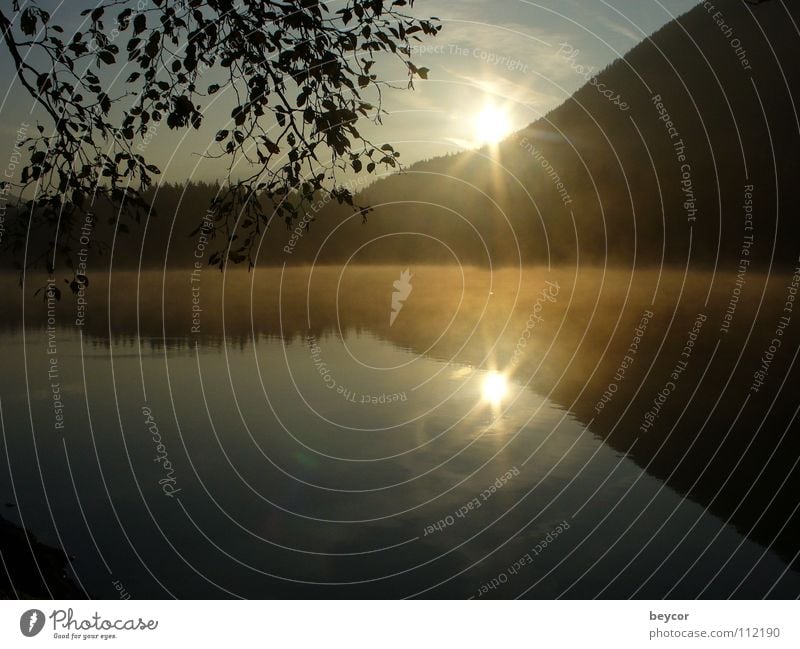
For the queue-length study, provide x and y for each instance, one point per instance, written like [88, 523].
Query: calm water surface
[332, 464]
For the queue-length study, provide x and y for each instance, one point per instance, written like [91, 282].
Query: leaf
[238, 115]
[139, 23]
[27, 22]
[106, 57]
[105, 102]
[152, 47]
[423, 72]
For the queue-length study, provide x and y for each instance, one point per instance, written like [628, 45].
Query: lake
[291, 432]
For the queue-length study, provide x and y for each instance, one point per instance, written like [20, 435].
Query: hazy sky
[504, 53]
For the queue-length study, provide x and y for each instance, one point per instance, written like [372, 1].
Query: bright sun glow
[495, 388]
[491, 125]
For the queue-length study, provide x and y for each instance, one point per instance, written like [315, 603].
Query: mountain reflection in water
[519, 433]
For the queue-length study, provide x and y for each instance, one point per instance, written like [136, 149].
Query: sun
[495, 388]
[491, 125]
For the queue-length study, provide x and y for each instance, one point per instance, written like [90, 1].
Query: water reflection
[494, 388]
[315, 450]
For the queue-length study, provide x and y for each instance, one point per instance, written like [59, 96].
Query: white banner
[371, 624]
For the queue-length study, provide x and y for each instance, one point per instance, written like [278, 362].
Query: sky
[497, 65]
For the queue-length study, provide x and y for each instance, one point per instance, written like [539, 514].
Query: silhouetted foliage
[299, 71]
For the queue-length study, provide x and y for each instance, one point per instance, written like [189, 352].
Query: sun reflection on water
[495, 388]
